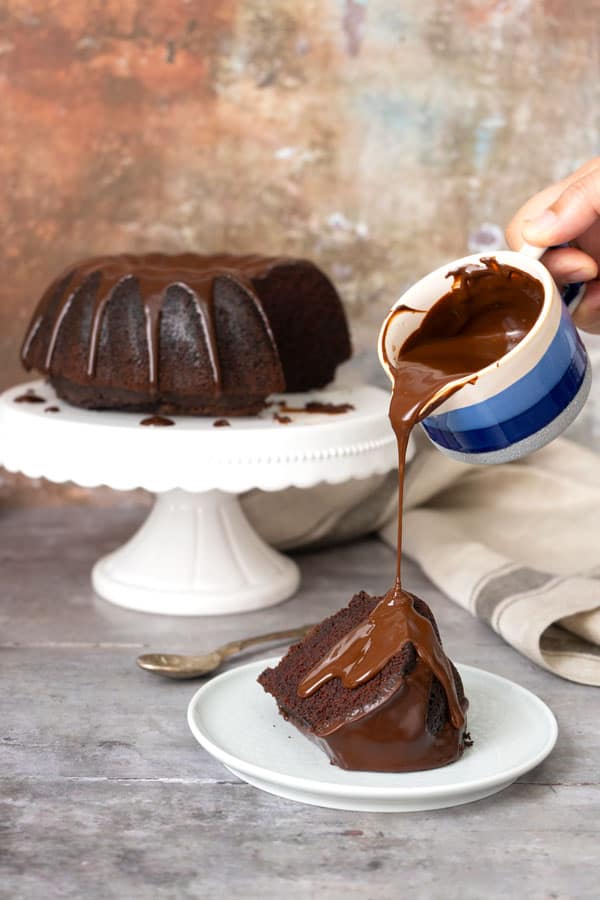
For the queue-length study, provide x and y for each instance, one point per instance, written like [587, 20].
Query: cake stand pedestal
[196, 553]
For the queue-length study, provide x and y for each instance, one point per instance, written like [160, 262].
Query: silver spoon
[175, 665]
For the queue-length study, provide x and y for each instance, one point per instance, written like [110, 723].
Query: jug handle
[572, 294]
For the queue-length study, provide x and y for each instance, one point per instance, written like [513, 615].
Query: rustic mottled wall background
[379, 138]
[375, 137]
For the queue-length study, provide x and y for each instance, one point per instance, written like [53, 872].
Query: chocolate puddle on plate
[29, 396]
[316, 406]
[157, 421]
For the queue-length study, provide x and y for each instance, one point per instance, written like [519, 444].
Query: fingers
[563, 212]
[587, 314]
[534, 206]
[575, 210]
[570, 265]
[573, 215]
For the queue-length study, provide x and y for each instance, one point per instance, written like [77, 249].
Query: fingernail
[540, 226]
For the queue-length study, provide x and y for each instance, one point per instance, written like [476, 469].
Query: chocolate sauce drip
[221, 423]
[487, 312]
[314, 406]
[29, 397]
[283, 420]
[393, 737]
[104, 295]
[157, 421]
[365, 650]
[154, 274]
[485, 315]
[52, 409]
[153, 304]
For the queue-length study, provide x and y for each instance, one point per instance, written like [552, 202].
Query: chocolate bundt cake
[205, 335]
[400, 717]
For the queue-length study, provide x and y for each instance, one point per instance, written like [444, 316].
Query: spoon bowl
[175, 665]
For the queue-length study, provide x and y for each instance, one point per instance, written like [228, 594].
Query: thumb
[575, 210]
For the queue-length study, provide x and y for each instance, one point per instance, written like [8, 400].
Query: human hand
[567, 211]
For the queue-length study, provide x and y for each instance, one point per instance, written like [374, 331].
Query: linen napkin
[517, 545]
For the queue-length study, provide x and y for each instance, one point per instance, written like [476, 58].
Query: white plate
[238, 723]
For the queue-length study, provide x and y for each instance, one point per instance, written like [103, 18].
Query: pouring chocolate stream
[486, 313]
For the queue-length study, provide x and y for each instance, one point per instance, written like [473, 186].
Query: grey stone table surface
[105, 794]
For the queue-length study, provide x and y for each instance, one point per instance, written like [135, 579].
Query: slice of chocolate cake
[398, 716]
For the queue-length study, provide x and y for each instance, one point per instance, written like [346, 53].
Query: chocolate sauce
[29, 396]
[365, 650]
[52, 409]
[487, 312]
[283, 420]
[314, 406]
[393, 737]
[221, 423]
[483, 317]
[157, 421]
[153, 274]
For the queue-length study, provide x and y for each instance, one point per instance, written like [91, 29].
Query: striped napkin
[517, 545]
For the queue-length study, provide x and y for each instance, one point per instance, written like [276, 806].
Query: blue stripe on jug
[524, 393]
[534, 413]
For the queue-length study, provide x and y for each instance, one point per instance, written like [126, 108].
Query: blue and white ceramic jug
[520, 403]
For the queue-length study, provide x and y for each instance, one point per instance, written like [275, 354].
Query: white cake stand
[196, 553]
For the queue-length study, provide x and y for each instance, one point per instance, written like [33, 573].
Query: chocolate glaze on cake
[330, 685]
[396, 720]
[188, 333]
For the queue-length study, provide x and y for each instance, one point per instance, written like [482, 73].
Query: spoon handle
[234, 647]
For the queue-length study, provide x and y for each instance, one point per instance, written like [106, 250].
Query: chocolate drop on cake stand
[196, 553]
